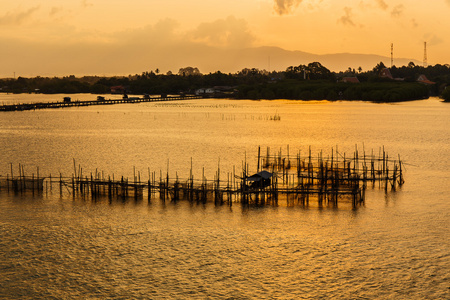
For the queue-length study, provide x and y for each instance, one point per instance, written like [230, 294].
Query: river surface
[52, 246]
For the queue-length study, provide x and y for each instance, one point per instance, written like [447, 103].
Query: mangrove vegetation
[303, 82]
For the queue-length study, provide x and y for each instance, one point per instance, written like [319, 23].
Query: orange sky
[104, 37]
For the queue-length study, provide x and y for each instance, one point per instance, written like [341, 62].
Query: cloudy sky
[104, 37]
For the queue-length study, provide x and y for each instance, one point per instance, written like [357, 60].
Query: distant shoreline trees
[322, 90]
[304, 82]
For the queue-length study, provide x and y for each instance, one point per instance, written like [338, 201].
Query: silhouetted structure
[299, 179]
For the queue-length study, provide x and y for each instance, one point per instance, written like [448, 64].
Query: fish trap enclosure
[295, 179]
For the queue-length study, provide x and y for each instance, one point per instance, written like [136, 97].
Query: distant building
[386, 73]
[350, 79]
[119, 89]
[217, 91]
[423, 79]
[205, 92]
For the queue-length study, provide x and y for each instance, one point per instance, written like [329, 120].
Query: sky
[116, 37]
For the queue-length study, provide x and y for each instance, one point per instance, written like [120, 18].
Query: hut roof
[423, 79]
[386, 73]
[260, 175]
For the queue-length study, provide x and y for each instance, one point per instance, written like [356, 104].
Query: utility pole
[425, 60]
[392, 54]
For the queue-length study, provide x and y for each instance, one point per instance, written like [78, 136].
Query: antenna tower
[425, 60]
[392, 54]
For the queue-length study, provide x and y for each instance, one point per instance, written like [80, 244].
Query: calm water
[396, 246]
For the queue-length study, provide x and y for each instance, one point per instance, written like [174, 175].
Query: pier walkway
[63, 104]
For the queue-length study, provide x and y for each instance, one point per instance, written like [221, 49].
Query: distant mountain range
[274, 58]
[27, 59]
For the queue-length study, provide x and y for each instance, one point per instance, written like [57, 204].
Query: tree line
[304, 82]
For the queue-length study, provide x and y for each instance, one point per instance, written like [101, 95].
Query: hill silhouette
[117, 59]
[279, 59]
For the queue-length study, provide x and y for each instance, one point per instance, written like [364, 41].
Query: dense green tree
[446, 94]
[303, 82]
[377, 69]
[189, 71]
[317, 71]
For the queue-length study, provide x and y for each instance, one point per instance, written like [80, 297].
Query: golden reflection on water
[68, 247]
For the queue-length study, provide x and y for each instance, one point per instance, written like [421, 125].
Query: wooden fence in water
[297, 179]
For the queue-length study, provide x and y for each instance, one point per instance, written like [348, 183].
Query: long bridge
[70, 103]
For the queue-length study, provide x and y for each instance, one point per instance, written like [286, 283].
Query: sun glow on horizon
[98, 36]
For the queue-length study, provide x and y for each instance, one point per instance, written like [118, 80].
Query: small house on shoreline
[216, 92]
[423, 79]
[118, 89]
